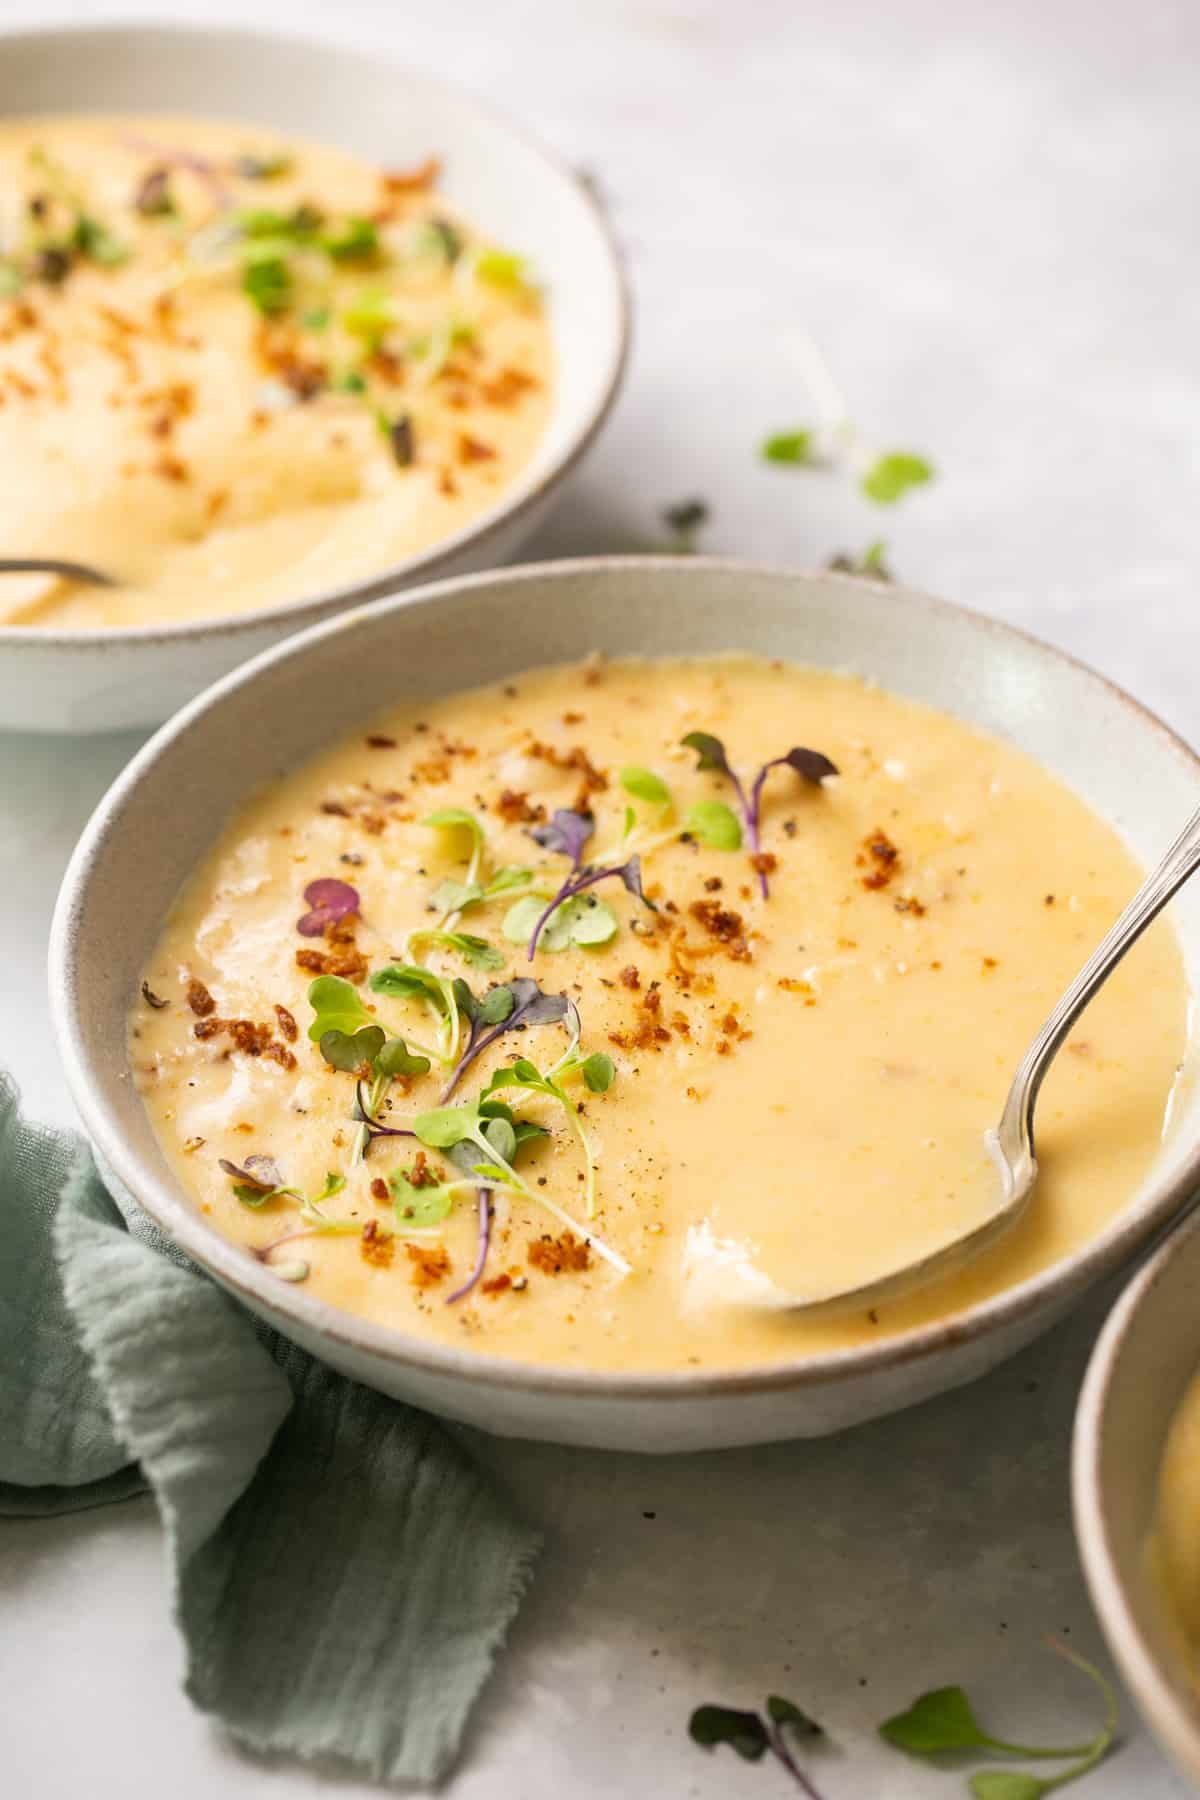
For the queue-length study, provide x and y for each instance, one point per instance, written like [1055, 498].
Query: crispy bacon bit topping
[379, 1189]
[764, 863]
[377, 741]
[880, 857]
[727, 927]
[375, 1246]
[630, 978]
[199, 998]
[515, 808]
[412, 181]
[556, 1255]
[506, 387]
[473, 449]
[287, 1024]
[428, 1266]
[497, 1285]
[577, 760]
[908, 903]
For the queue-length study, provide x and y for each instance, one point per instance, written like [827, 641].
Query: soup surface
[1173, 1549]
[774, 1089]
[238, 369]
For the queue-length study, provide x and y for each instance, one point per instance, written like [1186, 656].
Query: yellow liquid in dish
[807, 1076]
[214, 457]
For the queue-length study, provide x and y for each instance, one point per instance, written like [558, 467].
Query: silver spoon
[1011, 1144]
[50, 565]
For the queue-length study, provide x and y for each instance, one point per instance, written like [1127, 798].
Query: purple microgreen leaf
[565, 832]
[710, 752]
[810, 764]
[509, 1007]
[329, 900]
[259, 1172]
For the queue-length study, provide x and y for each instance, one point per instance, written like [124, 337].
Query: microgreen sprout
[751, 1735]
[883, 476]
[567, 833]
[509, 1007]
[944, 1720]
[597, 1073]
[810, 765]
[412, 981]
[871, 563]
[685, 520]
[464, 833]
[483, 1139]
[253, 1186]
[476, 952]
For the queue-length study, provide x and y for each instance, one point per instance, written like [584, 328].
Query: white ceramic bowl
[101, 680]
[1144, 1360]
[167, 808]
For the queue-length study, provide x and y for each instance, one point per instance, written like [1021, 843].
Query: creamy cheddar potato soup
[237, 369]
[560, 1017]
[1173, 1549]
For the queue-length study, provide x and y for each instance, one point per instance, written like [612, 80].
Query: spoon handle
[1181, 861]
[54, 565]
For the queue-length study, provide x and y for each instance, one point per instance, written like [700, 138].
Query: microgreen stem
[481, 1255]
[776, 1740]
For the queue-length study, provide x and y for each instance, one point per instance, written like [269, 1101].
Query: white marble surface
[986, 218]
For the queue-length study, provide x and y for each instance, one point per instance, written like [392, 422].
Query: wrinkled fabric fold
[342, 1574]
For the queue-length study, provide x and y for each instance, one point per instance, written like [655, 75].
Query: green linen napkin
[342, 1575]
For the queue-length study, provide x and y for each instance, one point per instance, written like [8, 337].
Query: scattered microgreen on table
[751, 1735]
[944, 1721]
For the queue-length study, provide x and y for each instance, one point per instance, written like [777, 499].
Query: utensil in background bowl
[1140, 1369]
[164, 813]
[515, 192]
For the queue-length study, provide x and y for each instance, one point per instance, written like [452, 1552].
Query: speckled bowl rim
[160, 1197]
[1173, 1721]
[481, 531]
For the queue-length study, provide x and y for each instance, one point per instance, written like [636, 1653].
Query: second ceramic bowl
[104, 680]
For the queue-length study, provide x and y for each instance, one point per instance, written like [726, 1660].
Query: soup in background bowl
[845, 671]
[199, 201]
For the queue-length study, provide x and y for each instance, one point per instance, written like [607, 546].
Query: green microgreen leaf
[337, 1006]
[502, 268]
[598, 1072]
[644, 784]
[713, 824]
[420, 1208]
[255, 1196]
[407, 981]
[395, 1058]
[352, 1051]
[456, 819]
[268, 283]
[97, 243]
[892, 475]
[370, 315]
[475, 951]
[444, 1126]
[937, 1721]
[786, 1712]
[789, 447]
[318, 318]
[744, 1732]
[11, 280]
[1009, 1784]
[582, 920]
[353, 240]
[353, 381]
[252, 167]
